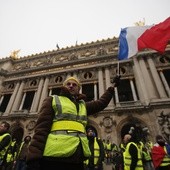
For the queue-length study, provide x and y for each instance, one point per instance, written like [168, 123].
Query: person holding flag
[60, 140]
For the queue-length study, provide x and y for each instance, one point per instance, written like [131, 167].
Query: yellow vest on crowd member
[122, 147]
[20, 148]
[68, 129]
[146, 155]
[147, 151]
[108, 146]
[114, 147]
[128, 159]
[2, 153]
[10, 156]
[166, 159]
[104, 144]
[96, 153]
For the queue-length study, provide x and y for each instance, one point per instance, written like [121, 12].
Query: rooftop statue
[140, 23]
[14, 54]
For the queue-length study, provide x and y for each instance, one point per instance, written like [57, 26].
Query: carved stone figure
[164, 122]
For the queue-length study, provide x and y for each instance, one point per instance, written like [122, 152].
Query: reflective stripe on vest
[20, 148]
[166, 159]
[68, 125]
[96, 151]
[69, 119]
[128, 159]
[65, 109]
[2, 152]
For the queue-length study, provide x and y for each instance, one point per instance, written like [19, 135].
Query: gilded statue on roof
[140, 23]
[14, 54]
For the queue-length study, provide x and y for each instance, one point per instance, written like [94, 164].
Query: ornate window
[58, 79]
[88, 75]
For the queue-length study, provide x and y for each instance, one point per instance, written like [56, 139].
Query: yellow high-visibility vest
[96, 153]
[10, 156]
[127, 158]
[68, 129]
[108, 146]
[2, 153]
[166, 159]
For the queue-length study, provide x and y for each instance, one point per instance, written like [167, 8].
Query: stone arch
[17, 131]
[125, 125]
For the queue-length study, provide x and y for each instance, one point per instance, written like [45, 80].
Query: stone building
[142, 100]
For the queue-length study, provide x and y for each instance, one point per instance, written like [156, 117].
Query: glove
[116, 80]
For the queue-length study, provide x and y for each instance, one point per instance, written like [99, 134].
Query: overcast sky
[36, 26]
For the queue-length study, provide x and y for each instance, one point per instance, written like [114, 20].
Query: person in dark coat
[70, 107]
[159, 153]
[5, 140]
[95, 161]
[22, 154]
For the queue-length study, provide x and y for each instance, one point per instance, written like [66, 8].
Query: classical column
[50, 91]
[116, 97]
[18, 97]
[140, 82]
[33, 101]
[95, 91]
[165, 83]
[107, 76]
[133, 90]
[1, 80]
[147, 78]
[12, 99]
[100, 81]
[2, 97]
[44, 93]
[156, 78]
[108, 84]
[37, 96]
[22, 101]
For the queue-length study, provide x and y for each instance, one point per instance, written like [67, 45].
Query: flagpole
[118, 68]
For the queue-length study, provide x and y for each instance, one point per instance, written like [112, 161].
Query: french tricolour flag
[137, 38]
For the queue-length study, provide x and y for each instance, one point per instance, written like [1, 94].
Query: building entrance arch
[136, 126]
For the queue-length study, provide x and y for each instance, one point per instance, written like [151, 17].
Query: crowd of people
[135, 154]
[12, 153]
[61, 140]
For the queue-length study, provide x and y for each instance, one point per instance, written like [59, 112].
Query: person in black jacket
[95, 162]
[132, 156]
[5, 139]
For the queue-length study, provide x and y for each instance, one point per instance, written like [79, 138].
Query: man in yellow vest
[95, 161]
[147, 159]
[108, 151]
[132, 155]
[5, 140]
[11, 155]
[60, 140]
